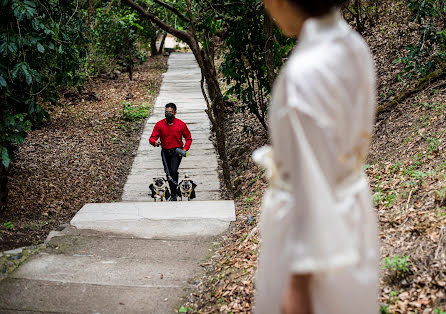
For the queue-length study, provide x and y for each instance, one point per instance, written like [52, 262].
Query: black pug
[160, 189]
[186, 188]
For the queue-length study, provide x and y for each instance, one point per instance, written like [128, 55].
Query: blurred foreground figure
[319, 250]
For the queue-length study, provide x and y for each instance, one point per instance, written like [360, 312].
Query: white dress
[317, 215]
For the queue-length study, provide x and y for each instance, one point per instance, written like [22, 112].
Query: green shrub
[429, 52]
[132, 113]
[41, 50]
[398, 265]
[9, 225]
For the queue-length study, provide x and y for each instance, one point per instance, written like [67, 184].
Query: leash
[166, 169]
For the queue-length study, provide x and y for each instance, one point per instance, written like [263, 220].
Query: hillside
[407, 172]
[81, 155]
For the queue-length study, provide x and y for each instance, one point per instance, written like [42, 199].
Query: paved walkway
[181, 85]
[135, 256]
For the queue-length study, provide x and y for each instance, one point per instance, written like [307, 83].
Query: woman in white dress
[319, 250]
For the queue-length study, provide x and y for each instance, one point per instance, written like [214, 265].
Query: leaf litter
[83, 154]
[407, 172]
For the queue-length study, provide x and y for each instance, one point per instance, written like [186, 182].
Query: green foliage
[183, 309]
[251, 42]
[384, 309]
[380, 197]
[43, 49]
[393, 298]
[434, 144]
[440, 195]
[40, 51]
[8, 225]
[396, 167]
[429, 51]
[132, 113]
[244, 65]
[398, 265]
[361, 14]
[262, 171]
[118, 34]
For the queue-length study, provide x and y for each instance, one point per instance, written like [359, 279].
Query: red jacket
[171, 134]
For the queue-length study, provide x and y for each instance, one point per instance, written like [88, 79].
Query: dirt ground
[82, 155]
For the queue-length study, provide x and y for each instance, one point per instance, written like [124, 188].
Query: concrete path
[181, 85]
[135, 256]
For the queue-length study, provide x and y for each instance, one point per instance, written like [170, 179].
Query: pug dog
[160, 189]
[186, 188]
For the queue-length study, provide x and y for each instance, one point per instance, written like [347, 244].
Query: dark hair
[172, 105]
[316, 8]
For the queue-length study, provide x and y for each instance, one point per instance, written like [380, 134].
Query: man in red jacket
[169, 133]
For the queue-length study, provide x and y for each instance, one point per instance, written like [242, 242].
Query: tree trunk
[3, 188]
[128, 56]
[4, 170]
[153, 49]
[163, 40]
[91, 11]
[359, 19]
[218, 108]
[419, 86]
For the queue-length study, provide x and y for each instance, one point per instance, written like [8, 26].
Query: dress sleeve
[305, 154]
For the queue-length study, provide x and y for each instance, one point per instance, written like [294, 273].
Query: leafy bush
[40, 51]
[131, 113]
[398, 265]
[255, 50]
[47, 46]
[8, 225]
[119, 34]
[429, 52]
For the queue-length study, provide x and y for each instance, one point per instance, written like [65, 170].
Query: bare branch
[172, 9]
[184, 36]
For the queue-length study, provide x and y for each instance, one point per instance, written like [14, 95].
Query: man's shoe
[173, 198]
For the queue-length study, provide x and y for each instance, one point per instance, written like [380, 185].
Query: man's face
[170, 110]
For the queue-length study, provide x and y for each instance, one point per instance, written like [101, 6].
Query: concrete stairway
[181, 85]
[136, 256]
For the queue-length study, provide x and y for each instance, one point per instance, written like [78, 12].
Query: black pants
[173, 161]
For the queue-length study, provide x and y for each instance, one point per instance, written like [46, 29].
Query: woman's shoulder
[340, 59]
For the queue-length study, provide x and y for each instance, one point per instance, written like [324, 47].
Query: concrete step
[144, 188]
[157, 219]
[197, 149]
[88, 272]
[197, 138]
[208, 183]
[135, 196]
[40, 296]
[185, 165]
[193, 173]
[206, 157]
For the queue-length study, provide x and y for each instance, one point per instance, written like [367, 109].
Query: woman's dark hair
[317, 7]
[172, 105]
